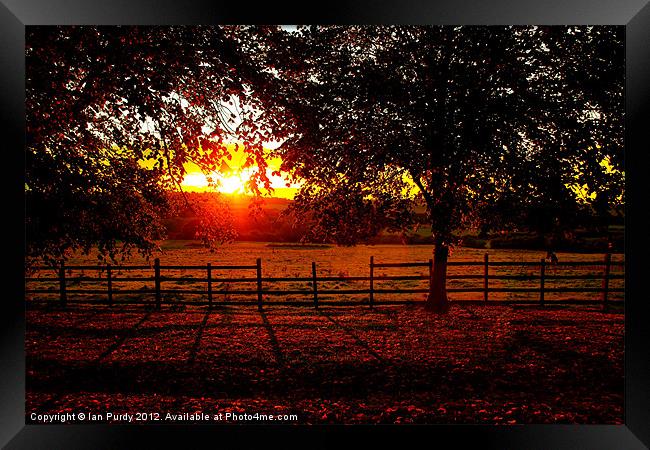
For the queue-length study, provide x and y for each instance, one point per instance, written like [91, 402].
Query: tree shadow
[275, 345]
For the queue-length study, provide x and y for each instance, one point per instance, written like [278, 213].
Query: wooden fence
[483, 287]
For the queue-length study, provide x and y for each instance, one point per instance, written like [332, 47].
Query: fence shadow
[275, 345]
[350, 332]
[126, 335]
[197, 341]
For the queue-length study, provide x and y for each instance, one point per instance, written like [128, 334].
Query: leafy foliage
[483, 120]
[113, 114]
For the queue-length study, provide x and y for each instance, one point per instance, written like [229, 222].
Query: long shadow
[279, 356]
[197, 341]
[360, 342]
[152, 330]
[127, 334]
[47, 405]
[584, 366]
[407, 377]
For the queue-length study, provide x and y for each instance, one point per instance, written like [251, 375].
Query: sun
[232, 178]
[232, 184]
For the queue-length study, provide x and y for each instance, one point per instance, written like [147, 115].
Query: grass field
[503, 365]
[498, 364]
[294, 260]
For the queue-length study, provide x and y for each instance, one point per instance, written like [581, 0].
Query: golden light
[231, 184]
[234, 182]
[231, 178]
[195, 180]
[227, 184]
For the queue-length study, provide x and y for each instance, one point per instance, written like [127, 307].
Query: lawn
[291, 260]
[495, 364]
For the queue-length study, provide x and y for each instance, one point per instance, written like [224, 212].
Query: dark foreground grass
[497, 364]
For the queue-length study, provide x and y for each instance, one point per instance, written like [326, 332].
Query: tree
[483, 121]
[113, 115]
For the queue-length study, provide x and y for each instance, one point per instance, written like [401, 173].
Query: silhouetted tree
[489, 123]
[113, 114]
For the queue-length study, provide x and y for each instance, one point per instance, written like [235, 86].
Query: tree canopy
[493, 125]
[113, 114]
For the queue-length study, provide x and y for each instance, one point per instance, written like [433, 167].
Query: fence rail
[259, 291]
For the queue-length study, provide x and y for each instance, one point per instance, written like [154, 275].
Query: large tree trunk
[437, 299]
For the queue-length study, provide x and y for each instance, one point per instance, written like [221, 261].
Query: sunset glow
[234, 179]
[233, 183]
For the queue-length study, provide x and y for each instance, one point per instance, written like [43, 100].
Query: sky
[232, 177]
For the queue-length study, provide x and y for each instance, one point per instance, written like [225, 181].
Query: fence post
[542, 271]
[313, 276]
[608, 263]
[372, 281]
[64, 298]
[430, 272]
[109, 283]
[485, 277]
[210, 285]
[259, 283]
[157, 281]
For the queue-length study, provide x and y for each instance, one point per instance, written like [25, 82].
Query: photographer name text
[159, 417]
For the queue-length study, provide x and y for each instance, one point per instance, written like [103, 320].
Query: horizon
[233, 178]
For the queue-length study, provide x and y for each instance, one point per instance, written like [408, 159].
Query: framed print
[394, 220]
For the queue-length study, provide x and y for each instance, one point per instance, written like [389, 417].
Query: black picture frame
[633, 14]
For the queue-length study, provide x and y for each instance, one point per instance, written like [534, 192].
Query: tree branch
[425, 194]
